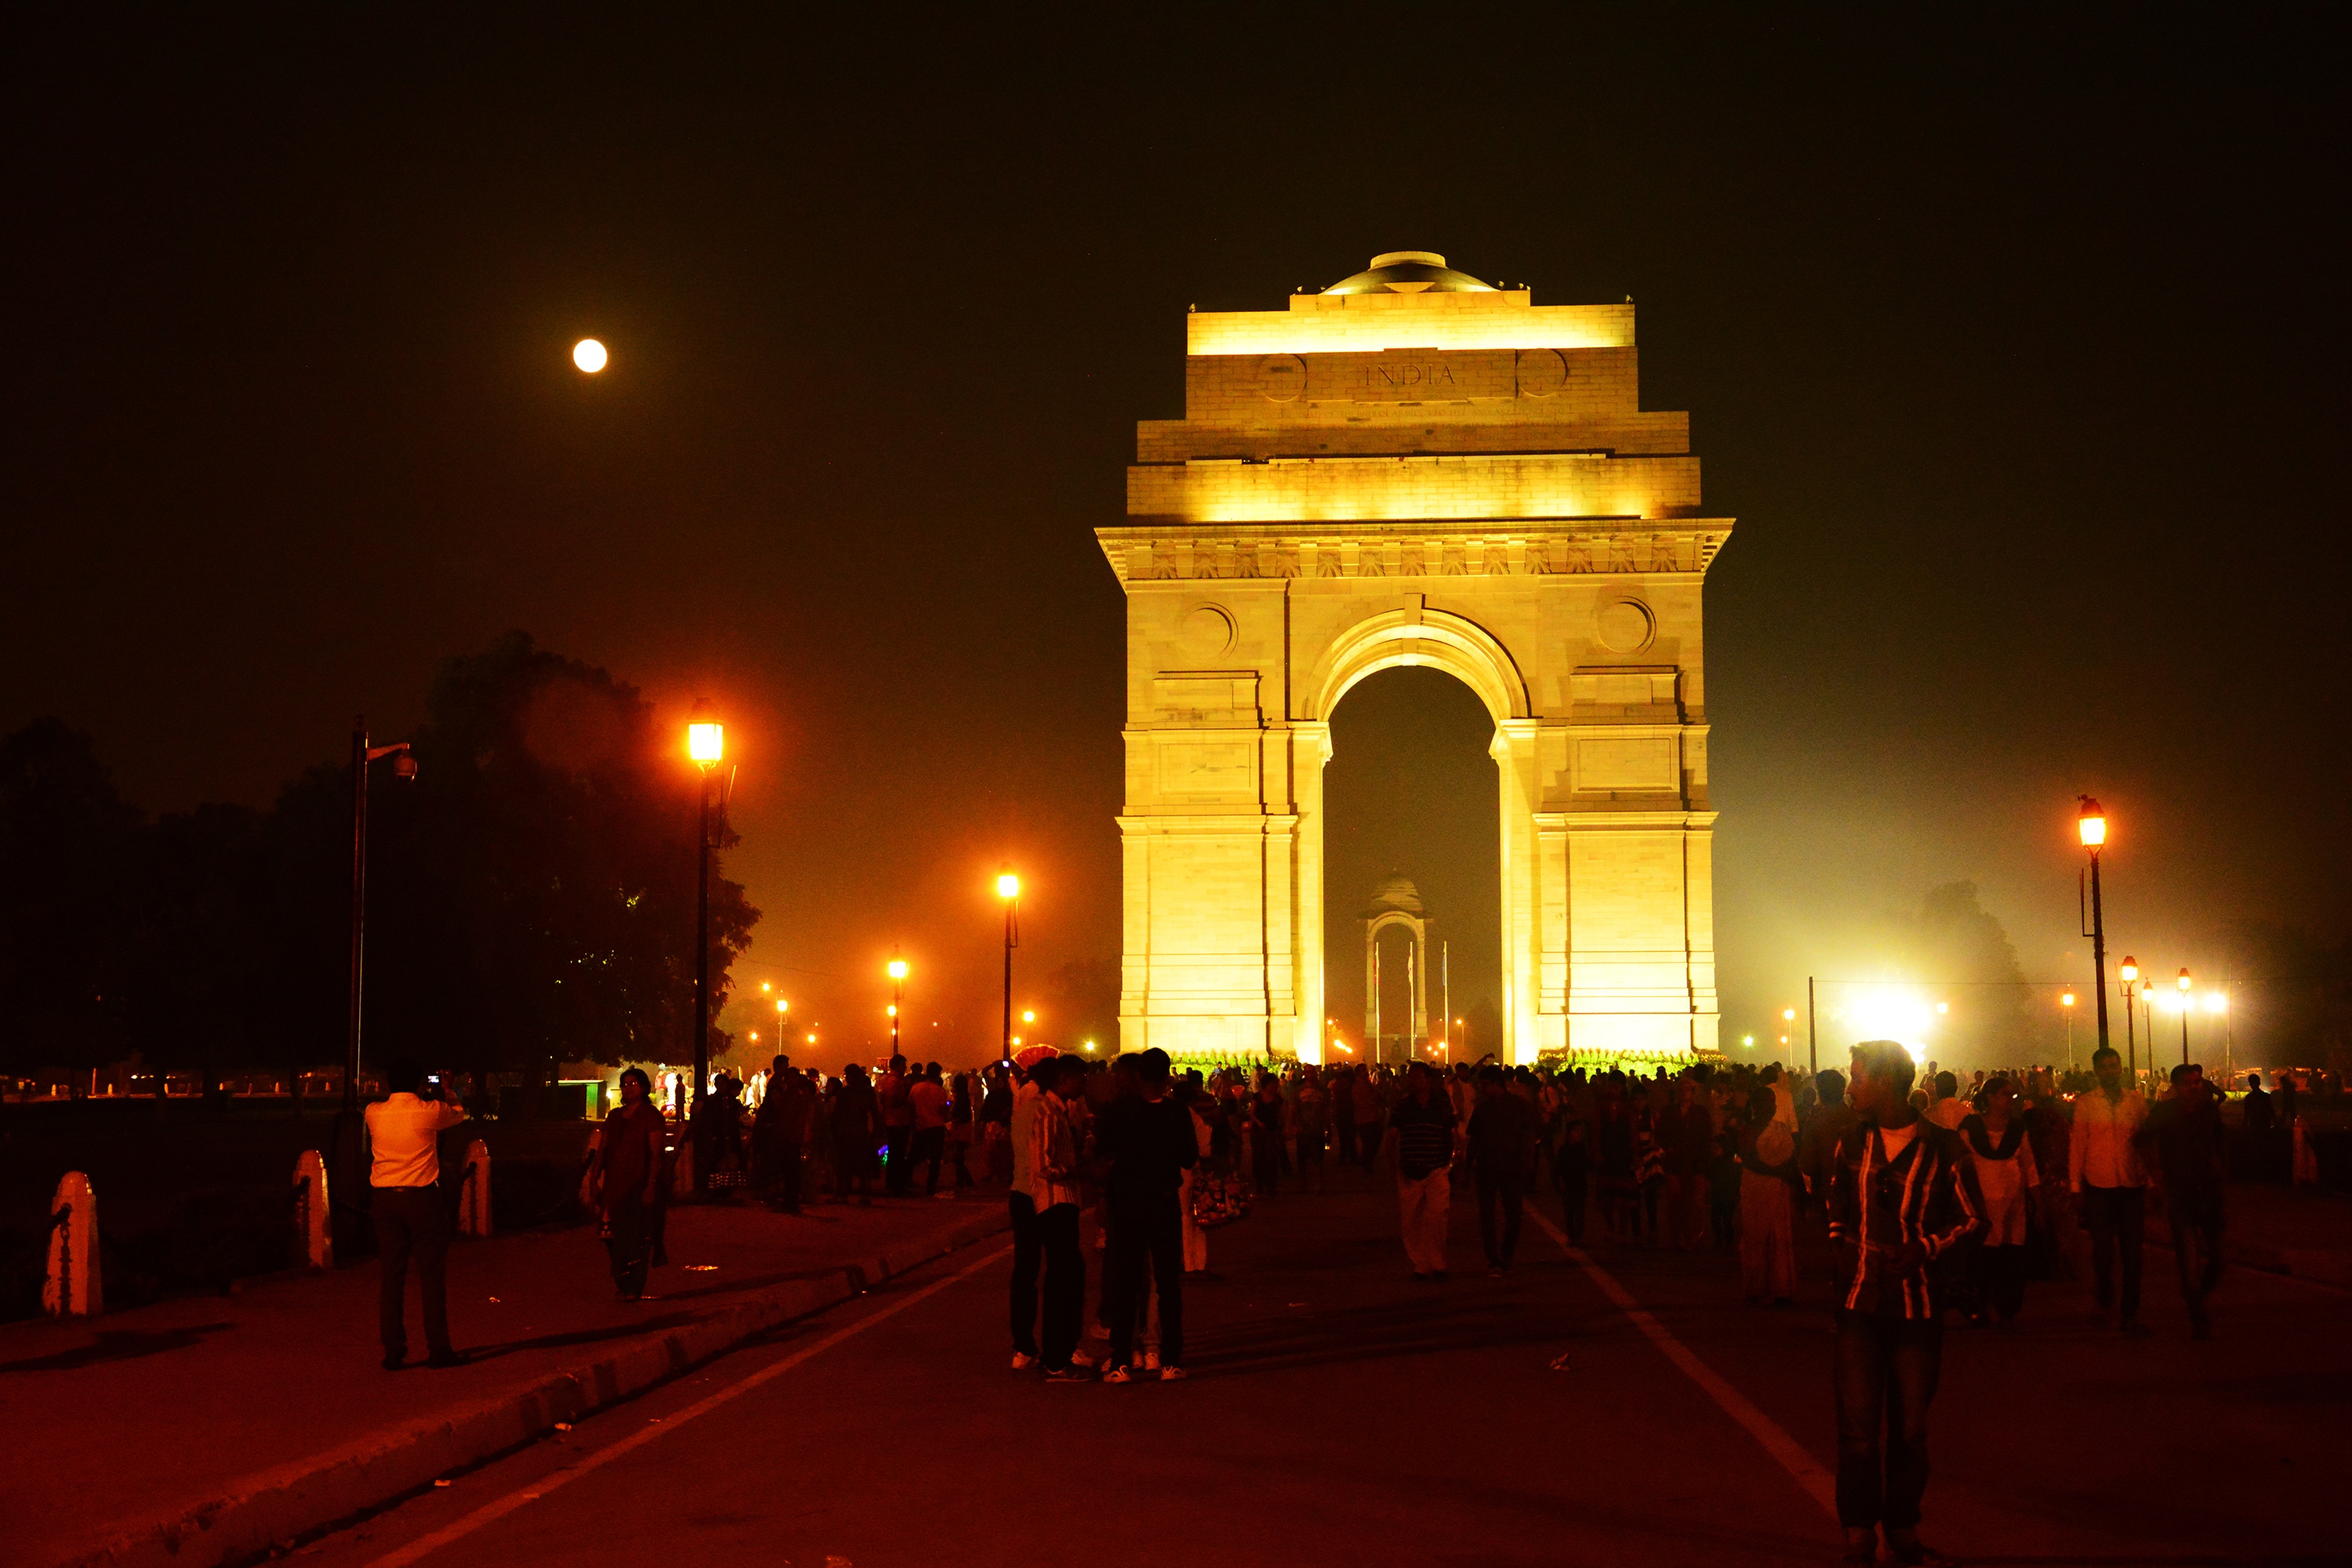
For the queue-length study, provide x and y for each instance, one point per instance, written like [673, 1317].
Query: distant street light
[706, 744]
[897, 984]
[2094, 825]
[2129, 976]
[2067, 1002]
[589, 355]
[1008, 887]
[2184, 984]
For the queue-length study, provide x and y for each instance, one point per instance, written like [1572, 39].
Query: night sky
[2016, 346]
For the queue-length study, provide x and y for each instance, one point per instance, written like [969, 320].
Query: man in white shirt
[1948, 1109]
[410, 1218]
[2110, 1182]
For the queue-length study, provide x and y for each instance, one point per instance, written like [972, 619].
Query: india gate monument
[1414, 467]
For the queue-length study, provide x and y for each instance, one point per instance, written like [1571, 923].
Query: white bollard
[314, 1240]
[474, 1205]
[73, 1289]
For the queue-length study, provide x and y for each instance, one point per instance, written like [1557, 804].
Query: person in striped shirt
[1901, 1197]
[1423, 1125]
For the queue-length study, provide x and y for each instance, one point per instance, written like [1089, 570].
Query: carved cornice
[1429, 548]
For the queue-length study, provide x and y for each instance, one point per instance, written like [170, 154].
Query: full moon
[589, 355]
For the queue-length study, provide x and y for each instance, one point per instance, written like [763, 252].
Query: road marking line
[1816, 1483]
[489, 1513]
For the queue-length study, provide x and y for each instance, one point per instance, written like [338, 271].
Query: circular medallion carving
[1627, 626]
[1207, 630]
[1542, 372]
[1282, 378]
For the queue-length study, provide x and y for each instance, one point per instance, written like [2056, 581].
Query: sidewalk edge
[285, 1501]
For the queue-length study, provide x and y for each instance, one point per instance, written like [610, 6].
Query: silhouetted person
[627, 1187]
[1150, 1142]
[1502, 1161]
[411, 1221]
[779, 1132]
[2185, 1132]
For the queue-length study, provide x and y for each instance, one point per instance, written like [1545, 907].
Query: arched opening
[1410, 791]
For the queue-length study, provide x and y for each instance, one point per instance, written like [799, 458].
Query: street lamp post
[1008, 887]
[2184, 1018]
[706, 743]
[344, 1179]
[1788, 1050]
[2066, 1000]
[2093, 826]
[898, 988]
[403, 766]
[2129, 976]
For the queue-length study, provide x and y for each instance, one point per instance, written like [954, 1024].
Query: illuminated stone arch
[1413, 469]
[1417, 637]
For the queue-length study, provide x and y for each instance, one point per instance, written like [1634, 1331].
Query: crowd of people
[1943, 1196]
[1715, 1156]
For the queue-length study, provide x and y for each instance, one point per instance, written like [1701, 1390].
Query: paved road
[1342, 1413]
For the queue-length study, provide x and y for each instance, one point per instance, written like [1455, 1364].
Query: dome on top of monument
[1396, 892]
[1410, 272]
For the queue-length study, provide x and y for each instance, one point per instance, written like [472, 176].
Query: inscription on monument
[1407, 375]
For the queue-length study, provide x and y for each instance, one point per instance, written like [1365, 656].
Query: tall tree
[1085, 1004]
[531, 892]
[67, 845]
[1962, 952]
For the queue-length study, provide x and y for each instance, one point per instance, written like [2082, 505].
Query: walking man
[628, 1181]
[2186, 1130]
[1502, 1162]
[1422, 1122]
[1022, 1205]
[926, 1100]
[1054, 1178]
[1899, 1199]
[778, 1129]
[1148, 1140]
[2110, 1182]
[410, 1218]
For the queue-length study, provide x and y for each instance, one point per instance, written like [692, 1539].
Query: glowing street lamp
[2183, 982]
[2093, 824]
[589, 355]
[706, 744]
[1008, 887]
[2066, 1000]
[897, 986]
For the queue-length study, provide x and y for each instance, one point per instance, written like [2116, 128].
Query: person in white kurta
[2002, 1159]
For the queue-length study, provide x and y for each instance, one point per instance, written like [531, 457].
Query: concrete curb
[257, 1511]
